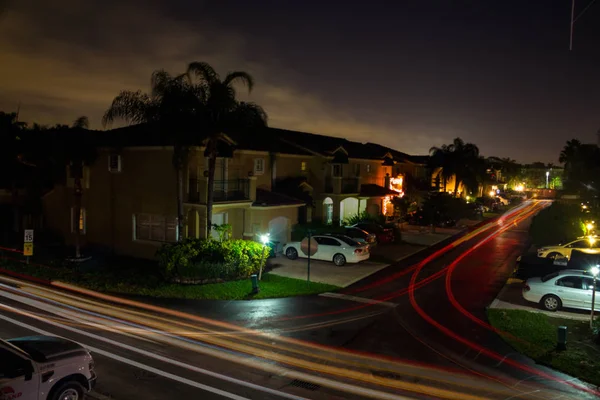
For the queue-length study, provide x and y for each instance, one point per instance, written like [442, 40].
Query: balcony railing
[224, 190]
[350, 185]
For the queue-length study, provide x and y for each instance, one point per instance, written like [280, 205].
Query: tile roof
[372, 190]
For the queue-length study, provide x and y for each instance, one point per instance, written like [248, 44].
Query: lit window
[156, 228]
[259, 166]
[303, 166]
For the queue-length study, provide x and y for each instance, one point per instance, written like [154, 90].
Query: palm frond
[240, 76]
[247, 116]
[132, 107]
[202, 70]
[160, 81]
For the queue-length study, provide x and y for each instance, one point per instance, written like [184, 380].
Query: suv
[44, 368]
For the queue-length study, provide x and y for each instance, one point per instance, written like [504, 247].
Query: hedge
[558, 223]
[208, 260]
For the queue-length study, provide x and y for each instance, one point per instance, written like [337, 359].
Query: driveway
[323, 271]
[510, 298]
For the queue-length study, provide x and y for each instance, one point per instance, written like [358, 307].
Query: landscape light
[264, 239]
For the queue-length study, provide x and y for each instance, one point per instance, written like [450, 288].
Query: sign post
[309, 246]
[28, 244]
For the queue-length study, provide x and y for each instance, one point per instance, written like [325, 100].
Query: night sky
[407, 74]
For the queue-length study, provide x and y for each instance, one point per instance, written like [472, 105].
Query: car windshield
[348, 241]
[549, 276]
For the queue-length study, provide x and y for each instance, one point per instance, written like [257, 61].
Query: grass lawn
[538, 334]
[138, 282]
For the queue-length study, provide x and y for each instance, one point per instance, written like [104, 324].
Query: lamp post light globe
[595, 270]
[264, 239]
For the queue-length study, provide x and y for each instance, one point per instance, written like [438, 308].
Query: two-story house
[265, 182]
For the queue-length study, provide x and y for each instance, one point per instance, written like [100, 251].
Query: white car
[586, 245]
[340, 249]
[44, 368]
[504, 201]
[566, 288]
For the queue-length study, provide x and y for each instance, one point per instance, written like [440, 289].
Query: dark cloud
[406, 74]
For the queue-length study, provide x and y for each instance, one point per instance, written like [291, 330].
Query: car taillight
[358, 251]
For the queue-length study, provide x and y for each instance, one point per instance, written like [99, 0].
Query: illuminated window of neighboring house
[82, 220]
[303, 166]
[259, 166]
[156, 228]
[368, 168]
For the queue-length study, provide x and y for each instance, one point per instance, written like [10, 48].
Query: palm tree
[175, 106]
[222, 112]
[456, 159]
[441, 157]
[568, 155]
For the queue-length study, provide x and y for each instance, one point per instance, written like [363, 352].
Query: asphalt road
[415, 329]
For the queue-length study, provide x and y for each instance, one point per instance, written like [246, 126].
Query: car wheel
[554, 255]
[551, 303]
[69, 390]
[291, 253]
[339, 260]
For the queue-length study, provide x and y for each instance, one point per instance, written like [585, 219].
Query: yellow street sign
[27, 249]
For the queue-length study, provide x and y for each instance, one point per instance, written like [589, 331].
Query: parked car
[384, 235]
[360, 235]
[567, 288]
[340, 249]
[588, 245]
[44, 367]
[503, 200]
[491, 204]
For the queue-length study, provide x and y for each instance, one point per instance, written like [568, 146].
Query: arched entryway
[279, 228]
[328, 210]
[348, 208]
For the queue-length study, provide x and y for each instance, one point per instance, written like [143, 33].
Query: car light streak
[483, 350]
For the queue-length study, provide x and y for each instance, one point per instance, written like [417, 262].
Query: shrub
[557, 224]
[364, 217]
[209, 260]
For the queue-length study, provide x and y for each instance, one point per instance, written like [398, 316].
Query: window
[156, 228]
[588, 284]
[349, 241]
[303, 166]
[368, 168]
[82, 221]
[574, 282]
[259, 166]
[357, 169]
[114, 163]
[337, 170]
[325, 241]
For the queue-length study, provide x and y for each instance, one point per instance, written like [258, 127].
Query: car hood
[48, 348]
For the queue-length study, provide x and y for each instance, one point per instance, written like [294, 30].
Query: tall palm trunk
[77, 217]
[456, 185]
[212, 163]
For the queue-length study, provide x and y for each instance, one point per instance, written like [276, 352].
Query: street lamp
[594, 271]
[547, 176]
[264, 239]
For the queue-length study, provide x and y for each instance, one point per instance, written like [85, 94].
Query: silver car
[567, 288]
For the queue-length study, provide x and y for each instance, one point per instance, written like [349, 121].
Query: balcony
[350, 185]
[224, 190]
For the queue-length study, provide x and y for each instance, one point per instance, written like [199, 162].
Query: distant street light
[547, 176]
[594, 272]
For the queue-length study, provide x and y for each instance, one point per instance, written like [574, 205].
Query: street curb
[98, 396]
[25, 277]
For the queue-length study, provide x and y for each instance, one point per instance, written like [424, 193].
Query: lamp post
[264, 239]
[547, 176]
[594, 271]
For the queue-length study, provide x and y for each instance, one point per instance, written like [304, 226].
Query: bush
[364, 217]
[210, 260]
[558, 223]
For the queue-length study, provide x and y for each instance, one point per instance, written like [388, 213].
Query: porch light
[492, 193]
